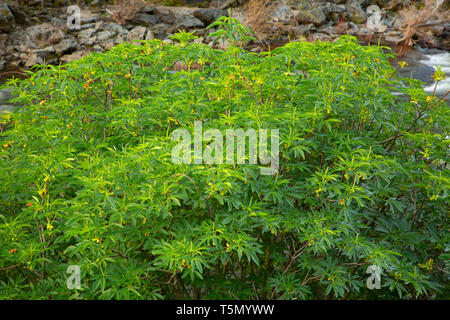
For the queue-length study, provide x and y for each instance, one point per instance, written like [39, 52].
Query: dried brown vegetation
[124, 10]
[258, 17]
[415, 22]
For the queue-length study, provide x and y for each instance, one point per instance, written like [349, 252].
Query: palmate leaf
[86, 176]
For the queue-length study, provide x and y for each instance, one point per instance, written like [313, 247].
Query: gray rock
[3, 40]
[5, 95]
[109, 44]
[320, 37]
[144, 19]
[87, 33]
[99, 25]
[149, 35]
[89, 19]
[73, 56]
[168, 18]
[383, 3]
[329, 30]
[87, 26]
[188, 22]
[65, 45]
[364, 32]
[397, 23]
[329, 8]
[208, 16]
[196, 2]
[97, 48]
[149, 10]
[303, 4]
[313, 15]
[353, 28]
[7, 20]
[137, 33]
[9, 50]
[352, 25]
[58, 22]
[119, 39]
[116, 28]
[223, 44]
[283, 14]
[105, 35]
[225, 4]
[393, 37]
[33, 60]
[297, 32]
[354, 12]
[45, 33]
[45, 53]
[20, 17]
[160, 30]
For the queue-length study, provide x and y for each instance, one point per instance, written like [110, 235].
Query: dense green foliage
[86, 176]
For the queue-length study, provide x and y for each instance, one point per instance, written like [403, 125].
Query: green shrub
[86, 177]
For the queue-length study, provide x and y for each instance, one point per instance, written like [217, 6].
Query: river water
[435, 60]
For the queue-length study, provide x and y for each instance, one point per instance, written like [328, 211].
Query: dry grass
[258, 16]
[415, 21]
[124, 10]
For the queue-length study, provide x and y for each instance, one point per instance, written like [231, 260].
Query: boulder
[45, 34]
[86, 33]
[296, 32]
[3, 41]
[393, 37]
[354, 12]
[384, 3]
[320, 37]
[65, 45]
[45, 53]
[312, 15]
[208, 16]
[137, 33]
[337, 1]
[73, 56]
[33, 60]
[225, 4]
[148, 9]
[282, 13]
[330, 8]
[149, 35]
[105, 35]
[144, 19]
[195, 2]
[7, 20]
[19, 16]
[167, 18]
[160, 30]
[116, 28]
[364, 32]
[188, 22]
